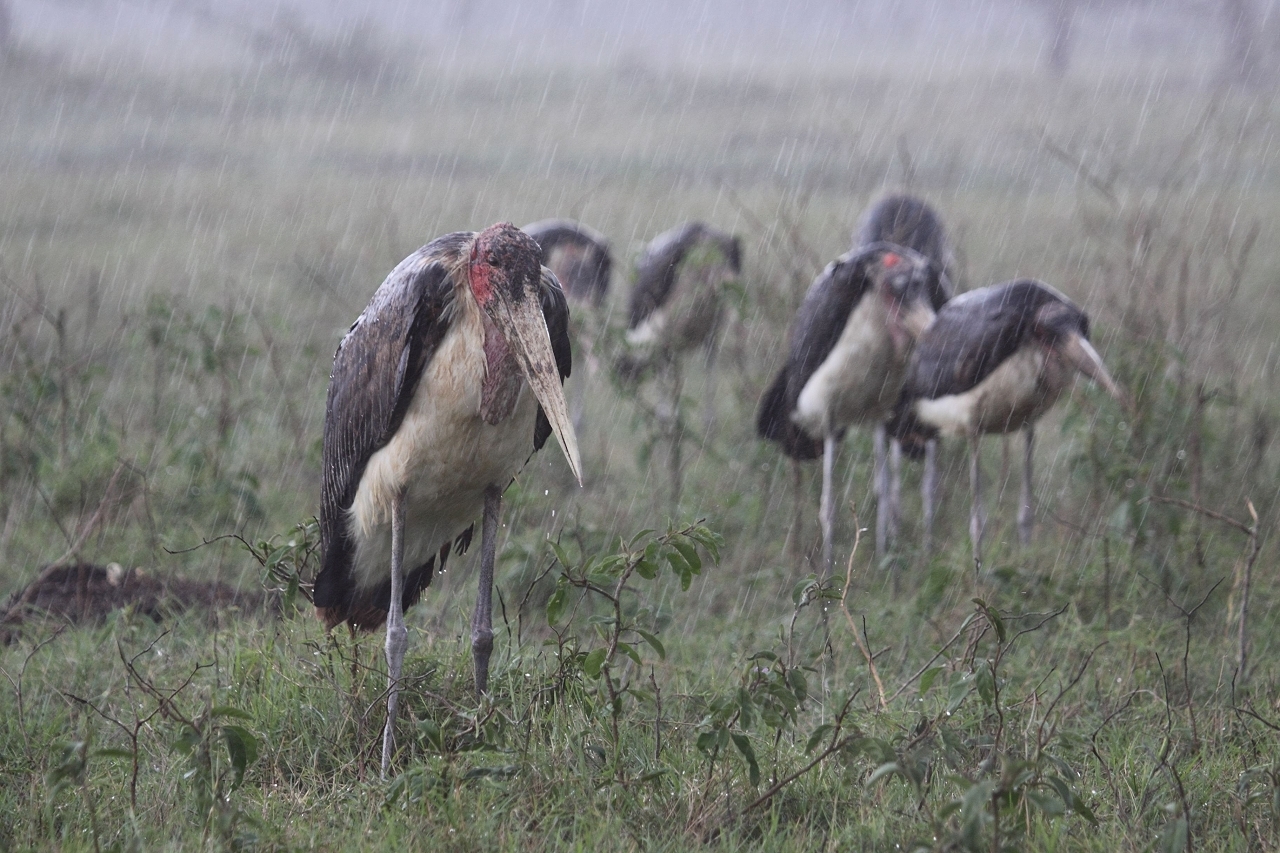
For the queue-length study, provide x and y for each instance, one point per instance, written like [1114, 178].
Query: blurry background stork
[676, 307]
[444, 386]
[846, 359]
[906, 220]
[579, 257]
[994, 361]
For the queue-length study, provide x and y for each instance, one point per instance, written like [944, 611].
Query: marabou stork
[994, 361]
[675, 304]
[427, 421]
[847, 357]
[906, 220]
[579, 256]
[675, 307]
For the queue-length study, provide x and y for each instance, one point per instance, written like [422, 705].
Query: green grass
[208, 236]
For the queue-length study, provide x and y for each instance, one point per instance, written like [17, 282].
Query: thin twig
[859, 637]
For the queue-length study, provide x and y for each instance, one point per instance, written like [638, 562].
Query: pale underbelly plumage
[443, 457]
[1016, 393]
[860, 379]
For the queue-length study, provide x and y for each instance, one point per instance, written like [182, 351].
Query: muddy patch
[85, 594]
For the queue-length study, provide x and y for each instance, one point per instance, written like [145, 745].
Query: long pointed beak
[525, 329]
[1084, 358]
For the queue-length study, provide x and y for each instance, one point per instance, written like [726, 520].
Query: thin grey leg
[880, 478]
[929, 491]
[895, 491]
[977, 515]
[397, 634]
[482, 619]
[1026, 507]
[828, 509]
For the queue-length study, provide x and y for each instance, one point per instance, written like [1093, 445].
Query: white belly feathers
[860, 379]
[1017, 392]
[443, 457]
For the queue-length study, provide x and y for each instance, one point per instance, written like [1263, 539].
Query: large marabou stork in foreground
[440, 392]
[847, 357]
[675, 307]
[906, 220]
[994, 361]
[578, 255]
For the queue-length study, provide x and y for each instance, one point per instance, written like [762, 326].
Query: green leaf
[558, 601]
[229, 711]
[678, 563]
[562, 556]
[646, 569]
[818, 736]
[883, 771]
[746, 708]
[926, 679]
[986, 681]
[961, 687]
[635, 540]
[770, 656]
[432, 733]
[800, 591]
[743, 743]
[1173, 838]
[629, 650]
[690, 554]
[595, 660]
[799, 686]
[242, 749]
[653, 642]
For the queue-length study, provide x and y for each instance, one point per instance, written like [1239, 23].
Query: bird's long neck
[501, 385]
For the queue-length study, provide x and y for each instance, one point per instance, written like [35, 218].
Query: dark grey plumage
[440, 392]
[847, 354]
[906, 220]
[672, 307]
[821, 320]
[376, 371]
[994, 361]
[578, 255]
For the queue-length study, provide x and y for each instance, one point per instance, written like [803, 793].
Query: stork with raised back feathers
[442, 389]
[847, 356]
[675, 307]
[994, 361]
[906, 220]
[577, 254]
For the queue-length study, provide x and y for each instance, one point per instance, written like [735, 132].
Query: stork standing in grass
[440, 392]
[994, 361]
[675, 308]
[847, 357]
[906, 220]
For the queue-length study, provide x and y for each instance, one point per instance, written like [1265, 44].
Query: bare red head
[504, 257]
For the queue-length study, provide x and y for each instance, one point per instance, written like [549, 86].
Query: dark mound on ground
[83, 593]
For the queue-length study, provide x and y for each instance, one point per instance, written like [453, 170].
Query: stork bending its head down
[906, 220]
[848, 353]
[994, 361]
[440, 392]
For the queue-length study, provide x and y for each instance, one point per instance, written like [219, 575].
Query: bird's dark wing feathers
[375, 372]
[971, 337]
[555, 310]
[818, 326]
